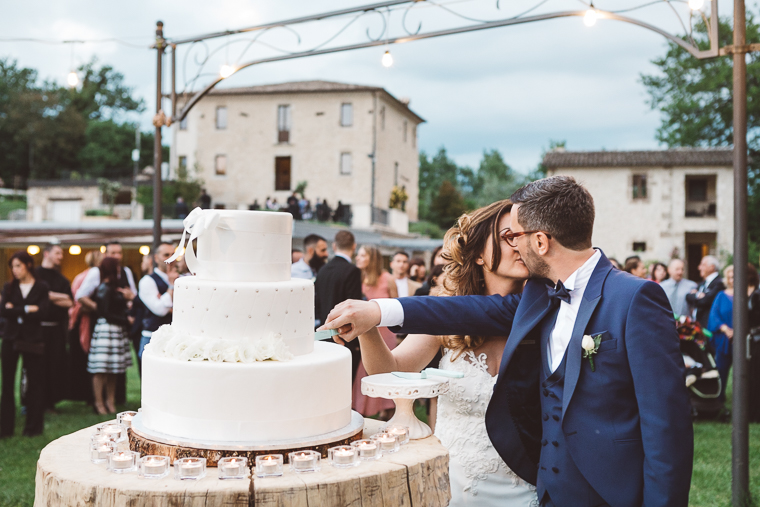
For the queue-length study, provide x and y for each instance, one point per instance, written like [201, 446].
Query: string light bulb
[72, 79]
[33, 249]
[226, 71]
[695, 5]
[75, 250]
[387, 59]
[144, 250]
[589, 19]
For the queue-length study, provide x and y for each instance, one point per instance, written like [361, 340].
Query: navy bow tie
[559, 292]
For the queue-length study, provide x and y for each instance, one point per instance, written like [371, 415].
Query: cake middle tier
[246, 311]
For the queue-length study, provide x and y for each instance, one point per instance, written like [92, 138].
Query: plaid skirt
[109, 349]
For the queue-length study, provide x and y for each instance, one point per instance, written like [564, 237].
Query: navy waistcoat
[151, 321]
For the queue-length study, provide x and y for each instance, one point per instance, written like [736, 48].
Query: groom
[590, 403]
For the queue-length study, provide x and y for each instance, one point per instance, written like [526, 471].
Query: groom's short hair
[559, 206]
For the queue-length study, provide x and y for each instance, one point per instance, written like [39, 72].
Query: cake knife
[428, 372]
[325, 335]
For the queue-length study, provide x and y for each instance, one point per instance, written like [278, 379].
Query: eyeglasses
[510, 236]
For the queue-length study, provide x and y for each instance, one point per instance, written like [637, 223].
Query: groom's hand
[352, 318]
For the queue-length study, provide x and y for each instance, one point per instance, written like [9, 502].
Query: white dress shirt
[158, 304]
[402, 285]
[338, 254]
[92, 280]
[392, 313]
[560, 336]
[301, 270]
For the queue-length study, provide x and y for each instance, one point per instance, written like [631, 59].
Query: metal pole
[740, 433]
[135, 170]
[374, 158]
[157, 191]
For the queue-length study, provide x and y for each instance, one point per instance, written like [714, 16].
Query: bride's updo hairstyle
[463, 244]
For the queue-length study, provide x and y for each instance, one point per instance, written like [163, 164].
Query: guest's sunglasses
[510, 236]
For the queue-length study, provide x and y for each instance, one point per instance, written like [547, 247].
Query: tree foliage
[447, 205]
[695, 98]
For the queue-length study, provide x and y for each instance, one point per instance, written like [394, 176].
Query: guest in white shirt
[92, 279]
[677, 287]
[314, 258]
[400, 272]
[157, 293]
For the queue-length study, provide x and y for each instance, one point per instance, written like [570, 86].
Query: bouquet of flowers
[692, 330]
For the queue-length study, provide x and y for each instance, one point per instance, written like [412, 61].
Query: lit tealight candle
[191, 468]
[400, 432]
[122, 460]
[113, 432]
[387, 442]
[268, 465]
[155, 466]
[368, 449]
[125, 418]
[343, 456]
[303, 461]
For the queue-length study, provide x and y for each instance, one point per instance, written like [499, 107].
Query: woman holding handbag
[23, 301]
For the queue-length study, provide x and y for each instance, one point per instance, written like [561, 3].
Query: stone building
[74, 201]
[350, 143]
[657, 204]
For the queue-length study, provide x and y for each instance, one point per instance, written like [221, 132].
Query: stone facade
[68, 201]
[657, 204]
[234, 139]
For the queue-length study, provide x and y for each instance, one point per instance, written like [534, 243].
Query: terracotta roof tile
[683, 157]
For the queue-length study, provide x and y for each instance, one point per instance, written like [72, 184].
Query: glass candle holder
[114, 429]
[304, 461]
[343, 456]
[400, 432]
[121, 462]
[233, 468]
[269, 465]
[125, 418]
[190, 469]
[368, 450]
[100, 450]
[386, 442]
[154, 467]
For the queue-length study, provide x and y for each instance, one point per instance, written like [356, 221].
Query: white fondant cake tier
[237, 402]
[246, 311]
[246, 246]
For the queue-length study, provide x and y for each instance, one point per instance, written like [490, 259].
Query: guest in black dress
[24, 301]
[109, 348]
[55, 325]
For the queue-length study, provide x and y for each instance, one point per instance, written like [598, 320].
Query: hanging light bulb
[72, 79]
[695, 5]
[75, 250]
[33, 249]
[226, 71]
[591, 16]
[387, 59]
[144, 250]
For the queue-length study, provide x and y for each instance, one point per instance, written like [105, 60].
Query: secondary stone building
[657, 204]
[350, 143]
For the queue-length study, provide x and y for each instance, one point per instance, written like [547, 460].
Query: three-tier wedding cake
[239, 362]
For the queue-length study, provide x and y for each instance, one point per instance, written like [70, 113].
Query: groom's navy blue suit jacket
[627, 424]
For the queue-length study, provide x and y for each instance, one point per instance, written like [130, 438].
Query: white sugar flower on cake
[165, 342]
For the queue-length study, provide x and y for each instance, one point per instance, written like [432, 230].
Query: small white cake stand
[403, 392]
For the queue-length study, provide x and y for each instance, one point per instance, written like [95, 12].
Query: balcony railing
[700, 209]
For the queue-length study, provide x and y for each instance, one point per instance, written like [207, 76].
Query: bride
[478, 262]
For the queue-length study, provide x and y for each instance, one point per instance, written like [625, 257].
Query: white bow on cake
[196, 224]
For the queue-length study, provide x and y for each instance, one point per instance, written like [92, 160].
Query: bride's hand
[352, 318]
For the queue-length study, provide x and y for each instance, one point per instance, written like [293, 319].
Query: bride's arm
[413, 354]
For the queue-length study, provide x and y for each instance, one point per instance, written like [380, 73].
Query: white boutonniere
[590, 346]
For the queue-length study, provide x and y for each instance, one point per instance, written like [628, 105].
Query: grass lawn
[711, 483]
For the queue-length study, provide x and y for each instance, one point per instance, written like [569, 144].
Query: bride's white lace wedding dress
[479, 477]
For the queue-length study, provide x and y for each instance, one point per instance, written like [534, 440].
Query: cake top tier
[244, 246]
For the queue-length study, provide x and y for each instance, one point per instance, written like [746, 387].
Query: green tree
[495, 180]
[541, 171]
[447, 205]
[695, 96]
[433, 172]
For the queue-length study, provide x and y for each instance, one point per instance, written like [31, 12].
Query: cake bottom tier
[238, 402]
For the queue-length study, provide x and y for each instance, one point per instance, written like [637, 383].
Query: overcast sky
[512, 88]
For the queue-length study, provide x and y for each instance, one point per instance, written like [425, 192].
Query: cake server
[325, 335]
[428, 372]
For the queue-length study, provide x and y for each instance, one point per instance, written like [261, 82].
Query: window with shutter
[283, 124]
[345, 163]
[282, 173]
[346, 114]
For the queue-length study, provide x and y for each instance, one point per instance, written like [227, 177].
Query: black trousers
[35, 397]
[80, 380]
[56, 364]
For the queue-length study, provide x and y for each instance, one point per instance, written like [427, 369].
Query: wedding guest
[54, 323]
[312, 261]
[424, 290]
[721, 320]
[659, 272]
[24, 303]
[479, 263]
[338, 281]
[293, 207]
[701, 299]
[204, 200]
[80, 333]
[376, 283]
[400, 272]
[676, 287]
[109, 348]
[255, 206]
[146, 265]
[181, 208]
[436, 279]
[417, 270]
[615, 263]
[636, 267]
[295, 256]
[754, 354]
[181, 266]
[156, 291]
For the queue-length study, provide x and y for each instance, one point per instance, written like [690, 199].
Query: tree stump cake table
[415, 476]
